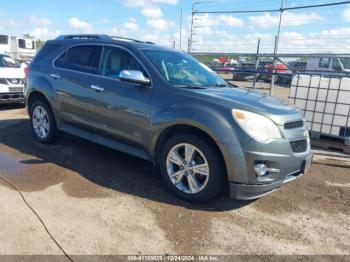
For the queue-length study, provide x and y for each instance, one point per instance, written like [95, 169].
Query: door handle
[97, 88]
[55, 76]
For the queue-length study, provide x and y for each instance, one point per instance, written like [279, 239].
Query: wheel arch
[36, 94]
[186, 129]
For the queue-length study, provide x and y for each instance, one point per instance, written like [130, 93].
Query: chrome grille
[299, 146]
[294, 124]
[11, 81]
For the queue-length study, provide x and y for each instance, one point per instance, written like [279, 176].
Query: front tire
[192, 168]
[43, 123]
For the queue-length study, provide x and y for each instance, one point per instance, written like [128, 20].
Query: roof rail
[83, 36]
[97, 36]
[125, 38]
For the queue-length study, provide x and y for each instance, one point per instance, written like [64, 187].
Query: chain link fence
[297, 51]
[318, 84]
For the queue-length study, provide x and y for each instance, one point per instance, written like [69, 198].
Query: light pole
[276, 47]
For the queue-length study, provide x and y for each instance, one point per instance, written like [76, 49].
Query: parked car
[164, 106]
[228, 67]
[11, 81]
[297, 66]
[329, 65]
[215, 65]
[262, 69]
[283, 75]
[244, 71]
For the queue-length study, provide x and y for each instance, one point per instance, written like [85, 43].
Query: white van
[11, 81]
[330, 64]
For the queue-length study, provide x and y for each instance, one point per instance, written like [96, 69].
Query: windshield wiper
[221, 85]
[230, 84]
[191, 86]
[227, 84]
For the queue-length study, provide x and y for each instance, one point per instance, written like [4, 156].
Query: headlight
[257, 126]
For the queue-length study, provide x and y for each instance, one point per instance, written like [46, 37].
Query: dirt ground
[98, 201]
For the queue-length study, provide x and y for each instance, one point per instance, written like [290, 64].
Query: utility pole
[181, 29]
[172, 40]
[276, 47]
[256, 64]
[190, 40]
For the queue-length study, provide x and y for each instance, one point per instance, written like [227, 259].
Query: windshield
[6, 61]
[346, 62]
[180, 69]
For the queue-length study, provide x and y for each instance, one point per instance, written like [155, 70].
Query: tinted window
[84, 58]
[346, 62]
[114, 60]
[324, 62]
[336, 64]
[4, 39]
[29, 44]
[45, 51]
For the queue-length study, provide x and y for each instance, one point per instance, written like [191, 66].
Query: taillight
[26, 72]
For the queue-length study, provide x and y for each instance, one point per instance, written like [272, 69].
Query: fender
[208, 120]
[44, 87]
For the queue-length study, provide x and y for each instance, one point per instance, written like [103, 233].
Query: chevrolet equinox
[164, 106]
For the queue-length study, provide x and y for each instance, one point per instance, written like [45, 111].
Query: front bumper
[11, 98]
[249, 192]
[244, 191]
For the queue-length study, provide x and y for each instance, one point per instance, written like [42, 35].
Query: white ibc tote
[325, 102]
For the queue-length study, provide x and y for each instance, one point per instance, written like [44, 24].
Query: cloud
[160, 24]
[289, 19]
[230, 20]
[44, 33]
[152, 12]
[147, 3]
[6, 24]
[325, 41]
[77, 24]
[131, 25]
[346, 14]
[205, 23]
[39, 21]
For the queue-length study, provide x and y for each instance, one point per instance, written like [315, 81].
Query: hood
[272, 107]
[8, 72]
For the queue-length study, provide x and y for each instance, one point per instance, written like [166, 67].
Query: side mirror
[134, 76]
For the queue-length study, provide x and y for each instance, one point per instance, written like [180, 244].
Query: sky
[302, 31]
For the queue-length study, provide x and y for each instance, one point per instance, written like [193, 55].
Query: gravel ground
[98, 201]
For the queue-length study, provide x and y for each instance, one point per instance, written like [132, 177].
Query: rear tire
[184, 173]
[43, 123]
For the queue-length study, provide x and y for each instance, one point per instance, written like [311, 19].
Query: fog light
[260, 169]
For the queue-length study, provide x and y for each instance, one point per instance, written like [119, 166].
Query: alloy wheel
[187, 168]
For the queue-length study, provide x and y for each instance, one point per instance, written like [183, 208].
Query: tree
[39, 43]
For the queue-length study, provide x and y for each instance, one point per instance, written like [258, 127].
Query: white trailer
[19, 48]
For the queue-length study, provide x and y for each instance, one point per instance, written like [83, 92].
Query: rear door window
[82, 58]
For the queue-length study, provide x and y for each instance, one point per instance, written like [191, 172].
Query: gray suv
[164, 106]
